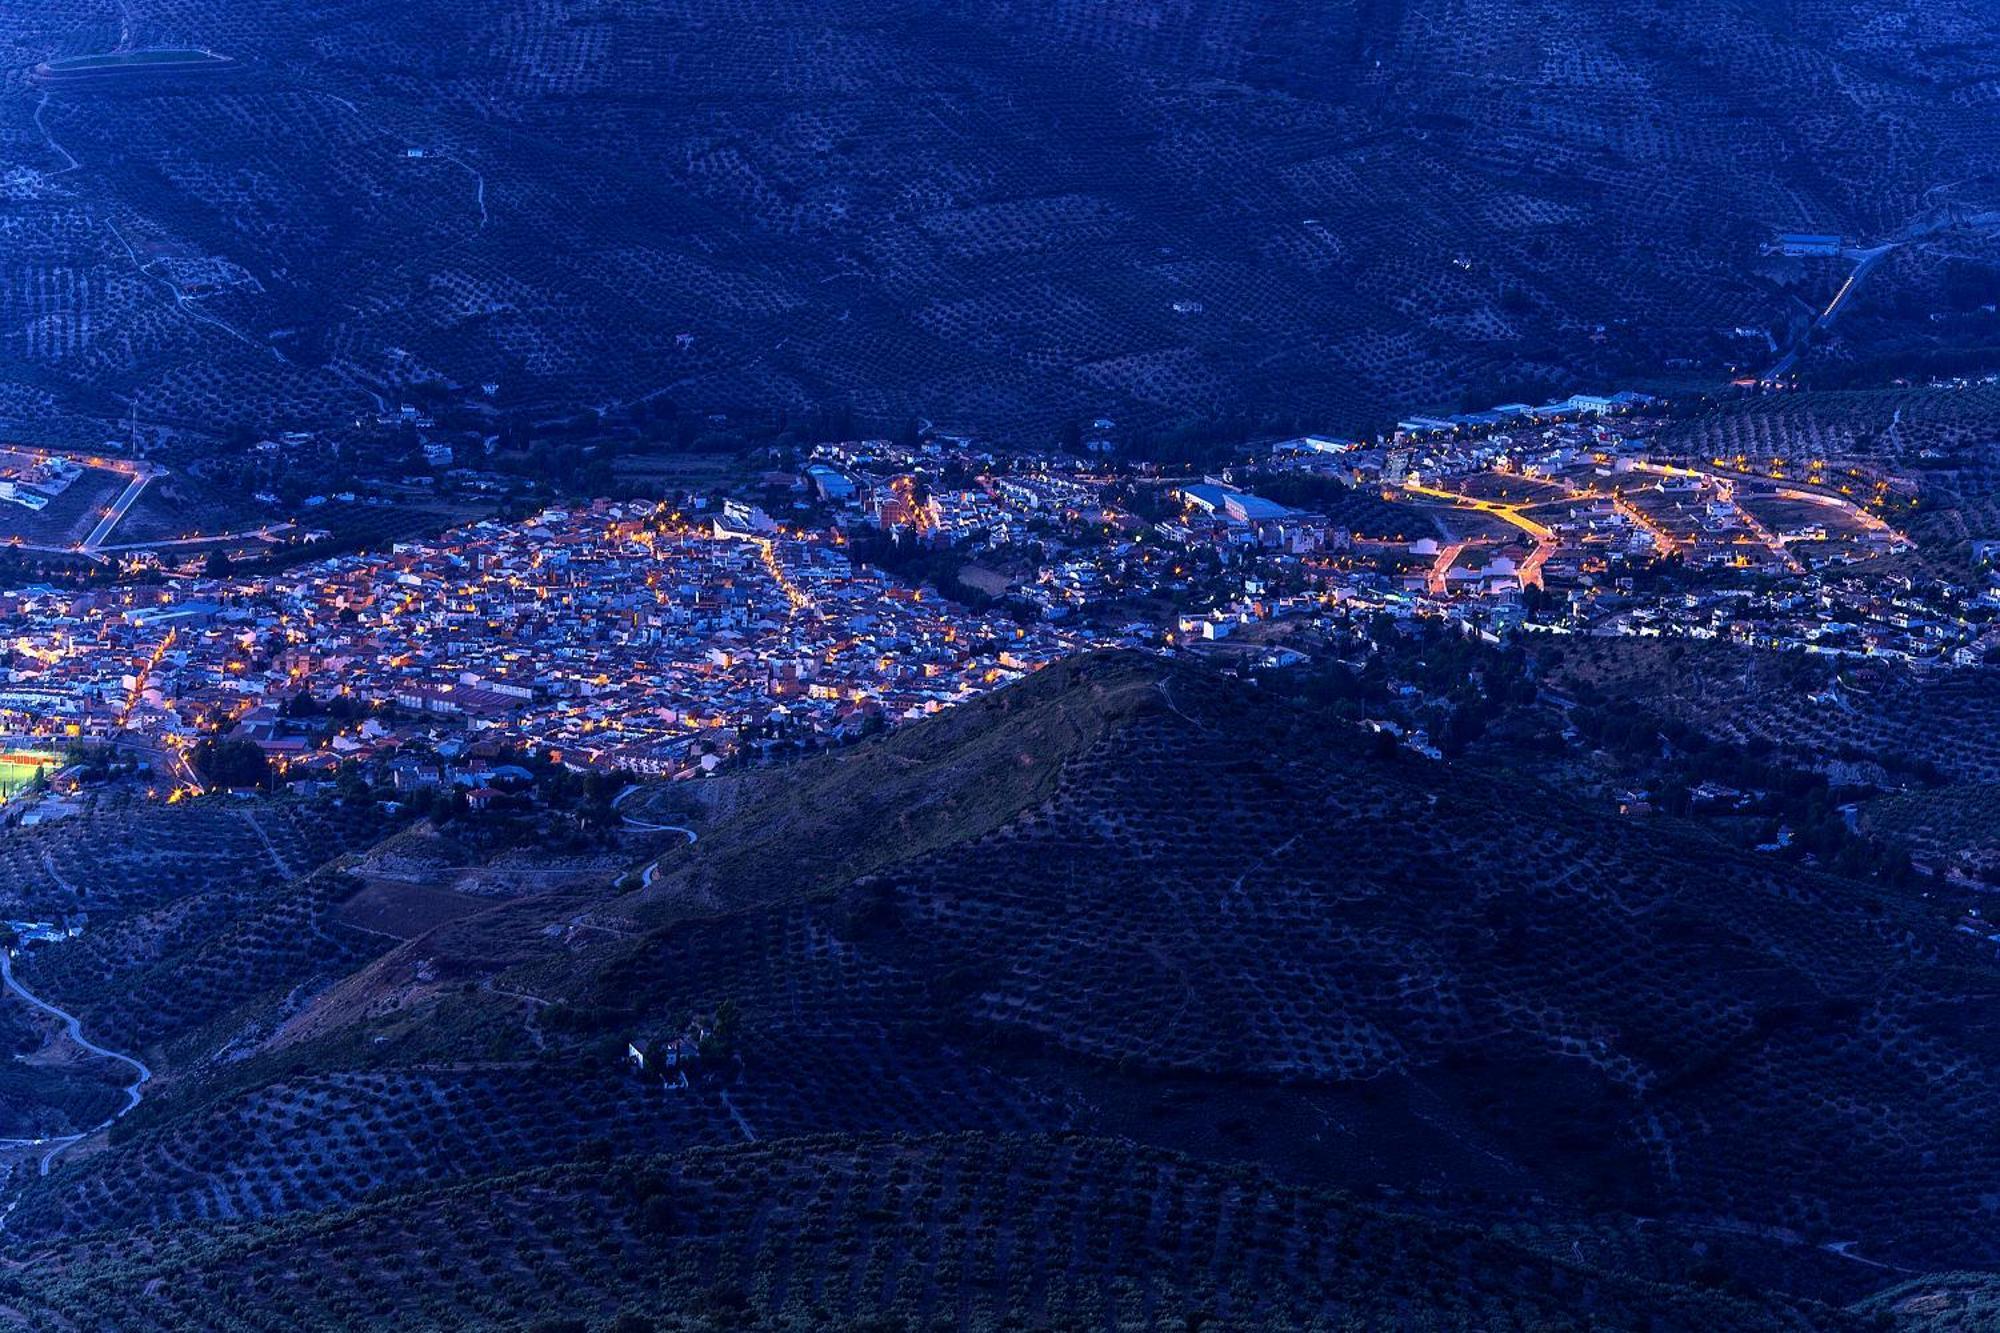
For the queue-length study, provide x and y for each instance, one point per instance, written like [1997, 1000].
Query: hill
[969, 1231]
[995, 214]
[1228, 924]
[1136, 901]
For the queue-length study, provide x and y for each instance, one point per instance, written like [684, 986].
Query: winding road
[50, 139]
[638, 825]
[647, 826]
[479, 192]
[74, 1025]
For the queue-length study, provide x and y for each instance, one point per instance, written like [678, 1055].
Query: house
[679, 1053]
[408, 775]
[741, 519]
[1206, 627]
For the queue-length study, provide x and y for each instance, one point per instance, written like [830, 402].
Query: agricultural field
[193, 908]
[47, 1086]
[129, 853]
[1506, 488]
[1365, 515]
[227, 213]
[1957, 825]
[1877, 722]
[1354, 957]
[922, 1233]
[1121, 899]
[1202, 929]
[178, 506]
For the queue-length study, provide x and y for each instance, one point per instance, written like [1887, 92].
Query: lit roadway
[1872, 522]
[140, 676]
[139, 475]
[142, 476]
[1652, 526]
[1762, 533]
[269, 532]
[1662, 539]
[1865, 265]
[1546, 541]
[1446, 559]
[1725, 489]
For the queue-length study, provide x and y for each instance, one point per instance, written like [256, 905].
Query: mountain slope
[997, 214]
[1142, 900]
[973, 1231]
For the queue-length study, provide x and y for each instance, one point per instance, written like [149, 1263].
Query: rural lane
[74, 1025]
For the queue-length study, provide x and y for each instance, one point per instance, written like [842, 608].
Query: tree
[721, 1040]
[231, 764]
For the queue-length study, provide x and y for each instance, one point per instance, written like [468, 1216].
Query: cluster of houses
[614, 635]
[1575, 407]
[663, 638]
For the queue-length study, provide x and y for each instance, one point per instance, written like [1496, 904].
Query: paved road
[648, 826]
[1546, 542]
[1446, 558]
[133, 489]
[75, 1027]
[638, 825]
[1868, 259]
[266, 533]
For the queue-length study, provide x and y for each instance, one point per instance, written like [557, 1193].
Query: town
[876, 583]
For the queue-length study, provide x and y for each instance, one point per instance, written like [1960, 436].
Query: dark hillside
[996, 214]
[816, 1233]
[1467, 979]
[1151, 901]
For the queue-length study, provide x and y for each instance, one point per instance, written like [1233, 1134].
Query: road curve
[638, 825]
[74, 1025]
[647, 826]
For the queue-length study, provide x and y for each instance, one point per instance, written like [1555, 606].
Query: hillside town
[875, 583]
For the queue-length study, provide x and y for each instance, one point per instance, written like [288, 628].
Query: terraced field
[1219, 893]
